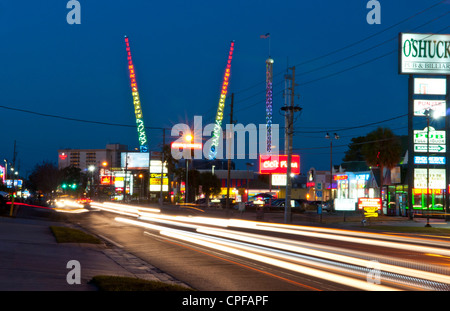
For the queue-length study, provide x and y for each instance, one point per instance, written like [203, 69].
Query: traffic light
[64, 186]
[73, 186]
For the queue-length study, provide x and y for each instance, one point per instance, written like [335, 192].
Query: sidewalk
[32, 260]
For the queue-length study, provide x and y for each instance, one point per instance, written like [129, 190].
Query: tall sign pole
[425, 58]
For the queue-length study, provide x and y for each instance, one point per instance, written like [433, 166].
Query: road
[219, 254]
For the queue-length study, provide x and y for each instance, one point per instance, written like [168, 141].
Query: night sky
[51, 71]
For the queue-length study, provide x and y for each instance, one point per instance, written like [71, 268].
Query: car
[328, 206]
[297, 205]
[4, 195]
[84, 201]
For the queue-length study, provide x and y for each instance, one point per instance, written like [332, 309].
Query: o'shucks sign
[424, 54]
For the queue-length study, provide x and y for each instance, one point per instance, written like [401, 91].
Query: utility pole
[287, 87]
[290, 132]
[290, 116]
[229, 154]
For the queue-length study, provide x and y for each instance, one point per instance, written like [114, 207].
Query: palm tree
[382, 149]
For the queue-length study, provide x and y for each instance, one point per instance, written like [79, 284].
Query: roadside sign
[319, 194]
[436, 137]
[433, 148]
[370, 206]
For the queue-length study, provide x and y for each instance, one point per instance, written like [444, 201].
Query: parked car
[279, 204]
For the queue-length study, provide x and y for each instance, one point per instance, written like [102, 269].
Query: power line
[351, 44]
[75, 119]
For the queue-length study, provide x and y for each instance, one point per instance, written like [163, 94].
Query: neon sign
[269, 81]
[106, 180]
[340, 177]
[219, 116]
[278, 164]
[136, 102]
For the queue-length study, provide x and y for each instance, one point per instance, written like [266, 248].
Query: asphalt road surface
[213, 254]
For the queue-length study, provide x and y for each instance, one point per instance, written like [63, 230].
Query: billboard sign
[279, 180]
[436, 178]
[437, 106]
[424, 54]
[436, 137]
[431, 160]
[134, 160]
[429, 86]
[278, 164]
[433, 148]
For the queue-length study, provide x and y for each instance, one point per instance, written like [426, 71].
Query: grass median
[70, 235]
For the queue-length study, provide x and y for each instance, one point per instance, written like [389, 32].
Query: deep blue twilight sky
[179, 51]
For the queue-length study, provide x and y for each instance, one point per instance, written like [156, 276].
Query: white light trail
[347, 281]
[290, 245]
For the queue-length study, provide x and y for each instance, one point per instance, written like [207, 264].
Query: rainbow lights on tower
[143, 144]
[219, 116]
[269, 82]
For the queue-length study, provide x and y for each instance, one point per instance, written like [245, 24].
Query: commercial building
[84, 158]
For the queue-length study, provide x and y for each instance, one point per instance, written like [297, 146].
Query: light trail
[249, 252]
[300, 256]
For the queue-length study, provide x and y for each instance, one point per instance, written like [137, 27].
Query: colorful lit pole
[219, 116]
[136, 101]
[269, 81]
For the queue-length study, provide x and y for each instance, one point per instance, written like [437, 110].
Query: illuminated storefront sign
[433, 160]
[278, 164]
[424, 54]
[279, 180]
[437, 106]
[362, 176]
[106, 180]
[63, 155]
[436, 178]
[340, 177]
[369, 202]
[342, 204]
[2, 173]
[429, 86]
[432, 148]
[436, 137]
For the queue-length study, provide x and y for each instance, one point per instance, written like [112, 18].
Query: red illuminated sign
[63, 156]
[278, 164]
[106, 180]
[340, 177]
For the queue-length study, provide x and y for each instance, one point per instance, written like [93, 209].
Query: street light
[336, 136]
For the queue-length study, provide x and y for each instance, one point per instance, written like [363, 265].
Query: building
[84, 158]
